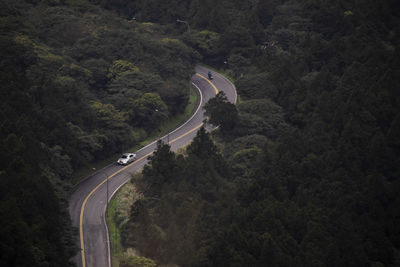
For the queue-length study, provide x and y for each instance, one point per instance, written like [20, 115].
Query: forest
[79, 84]
[305, 171]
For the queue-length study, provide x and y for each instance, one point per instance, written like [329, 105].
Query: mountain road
[88, 201]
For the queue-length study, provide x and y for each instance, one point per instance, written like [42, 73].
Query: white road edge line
[108, 236]
[233, 86]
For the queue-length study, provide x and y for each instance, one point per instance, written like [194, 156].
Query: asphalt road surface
[87, 203]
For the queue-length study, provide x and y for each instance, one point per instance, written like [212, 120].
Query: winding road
[87, 203]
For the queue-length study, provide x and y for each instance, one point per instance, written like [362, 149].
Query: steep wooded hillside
[78, 84]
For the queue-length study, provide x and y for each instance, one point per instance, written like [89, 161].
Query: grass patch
[116, 216]
[113, 209]
[162, 130]
[114, 232]
[238, 99]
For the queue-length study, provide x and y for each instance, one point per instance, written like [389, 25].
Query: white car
[126, 158]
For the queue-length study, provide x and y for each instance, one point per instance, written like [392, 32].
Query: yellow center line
[215, 88]
[188, 132]
[120, 170]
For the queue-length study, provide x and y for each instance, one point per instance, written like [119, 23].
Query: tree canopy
[221, 112]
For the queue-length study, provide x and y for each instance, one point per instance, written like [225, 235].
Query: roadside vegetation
[117, 215]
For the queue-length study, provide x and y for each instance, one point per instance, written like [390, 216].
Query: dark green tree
[161, 169]
[221, 112]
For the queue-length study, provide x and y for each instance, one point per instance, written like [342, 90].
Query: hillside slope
[79, 84]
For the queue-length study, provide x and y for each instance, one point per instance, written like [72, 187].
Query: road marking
[183, 135]
[124, 168]
[215, 88]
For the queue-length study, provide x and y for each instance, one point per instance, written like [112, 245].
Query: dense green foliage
[310, 171]
[78, 84]
[183, 198]
[136, 261]
[221, 112]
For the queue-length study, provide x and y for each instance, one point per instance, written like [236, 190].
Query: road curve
[87, 203]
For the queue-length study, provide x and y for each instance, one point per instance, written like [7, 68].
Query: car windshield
[124, 156]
